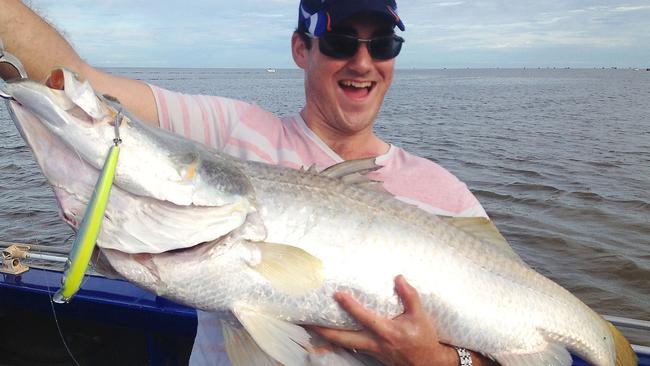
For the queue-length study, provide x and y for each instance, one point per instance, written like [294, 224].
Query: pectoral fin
[289, 269]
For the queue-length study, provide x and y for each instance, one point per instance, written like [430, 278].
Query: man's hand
[409, 339]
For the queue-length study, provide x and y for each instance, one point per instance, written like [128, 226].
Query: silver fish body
[271, 245]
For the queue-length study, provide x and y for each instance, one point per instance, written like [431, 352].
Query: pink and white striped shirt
[249, 132]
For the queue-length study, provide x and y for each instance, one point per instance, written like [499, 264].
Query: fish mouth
[64, 92]
[56, 80]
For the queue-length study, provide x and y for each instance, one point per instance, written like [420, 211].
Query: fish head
[67, 108]
[47, 116]
[168, 192]
[64, 100]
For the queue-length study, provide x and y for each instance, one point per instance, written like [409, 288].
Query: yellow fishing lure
[84, 243]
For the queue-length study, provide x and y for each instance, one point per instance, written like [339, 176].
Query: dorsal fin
[351, 167]
[312, 169]
[351, 172]
[483, 229]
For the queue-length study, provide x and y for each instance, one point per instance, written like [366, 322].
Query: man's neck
[358, 145]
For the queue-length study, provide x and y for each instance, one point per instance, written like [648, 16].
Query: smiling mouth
[356, 89]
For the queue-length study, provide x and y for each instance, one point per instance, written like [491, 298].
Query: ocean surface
[559, 158]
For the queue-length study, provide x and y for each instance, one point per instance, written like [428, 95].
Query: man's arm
[410, 339]
[41, 48]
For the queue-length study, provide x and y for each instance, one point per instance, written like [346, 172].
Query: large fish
[267, 246]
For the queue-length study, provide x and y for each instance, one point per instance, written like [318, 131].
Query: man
[347, 49]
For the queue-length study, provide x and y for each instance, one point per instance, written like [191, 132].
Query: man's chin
[358, 122]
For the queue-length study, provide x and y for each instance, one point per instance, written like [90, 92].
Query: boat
[145, 328]
[271, 70]
[105, 316]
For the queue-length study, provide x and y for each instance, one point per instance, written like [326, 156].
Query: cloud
[454, 3]
[632, 8]
[256, 33]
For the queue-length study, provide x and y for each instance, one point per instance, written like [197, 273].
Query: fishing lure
[84, 243]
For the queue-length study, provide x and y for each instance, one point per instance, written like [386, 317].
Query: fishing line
[56, 319]
[58, 327]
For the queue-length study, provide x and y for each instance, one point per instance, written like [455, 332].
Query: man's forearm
[37, 44]
[41, 48]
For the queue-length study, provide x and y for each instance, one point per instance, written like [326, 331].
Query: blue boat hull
[142, 328]
[119, 322]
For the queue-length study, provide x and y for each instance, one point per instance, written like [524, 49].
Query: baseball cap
[318, 16]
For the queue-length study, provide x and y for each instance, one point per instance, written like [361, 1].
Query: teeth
[356, 84]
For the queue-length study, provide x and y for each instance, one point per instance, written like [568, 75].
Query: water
[560, 159]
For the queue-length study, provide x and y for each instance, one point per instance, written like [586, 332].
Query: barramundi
[266, 247]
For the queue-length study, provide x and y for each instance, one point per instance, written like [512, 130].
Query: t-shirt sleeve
[207, 119]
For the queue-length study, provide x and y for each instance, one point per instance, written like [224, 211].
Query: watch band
[464, 356]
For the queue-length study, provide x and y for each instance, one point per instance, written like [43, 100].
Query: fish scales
[489, 260]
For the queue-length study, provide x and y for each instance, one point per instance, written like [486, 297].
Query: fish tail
[625, 355]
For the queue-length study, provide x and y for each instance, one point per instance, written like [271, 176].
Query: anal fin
[552, 354]
[285, 342]
[242, 349]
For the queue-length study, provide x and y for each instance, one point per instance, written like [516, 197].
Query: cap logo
[313, 21]
[329, 22]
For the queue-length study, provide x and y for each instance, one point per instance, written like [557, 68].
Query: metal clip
[13, 61]
[118, 122]
[11, 259]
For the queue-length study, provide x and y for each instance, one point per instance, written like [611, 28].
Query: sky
[452, 34]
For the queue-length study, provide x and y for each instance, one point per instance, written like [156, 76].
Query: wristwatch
[464, 356]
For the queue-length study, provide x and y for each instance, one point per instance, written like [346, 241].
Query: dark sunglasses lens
[338, 46]
[386, 48]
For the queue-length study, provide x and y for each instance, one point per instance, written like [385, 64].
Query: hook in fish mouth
[19, 70]
[8, 58]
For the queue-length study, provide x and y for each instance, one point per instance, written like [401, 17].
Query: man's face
[345, 95]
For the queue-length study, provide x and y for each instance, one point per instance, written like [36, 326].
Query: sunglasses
[342, 46]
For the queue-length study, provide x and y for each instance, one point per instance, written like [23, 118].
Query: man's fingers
[408, 294]
[350, 339]
[367, 318]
